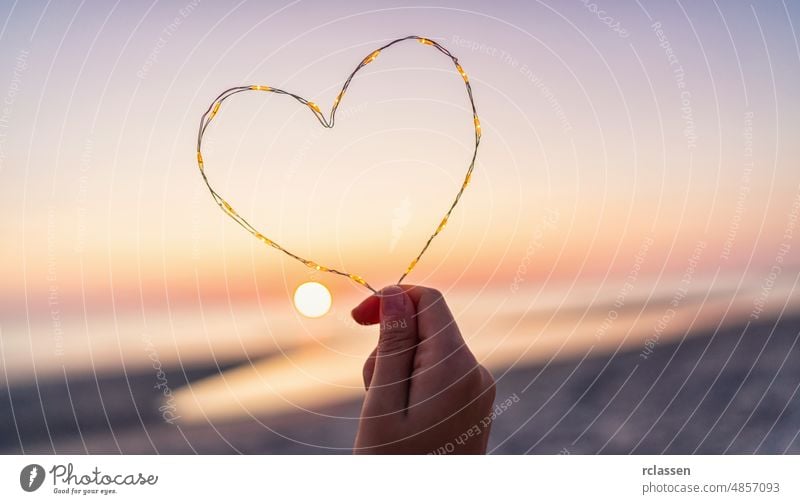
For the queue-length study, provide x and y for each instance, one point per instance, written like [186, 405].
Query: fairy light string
[329, 122]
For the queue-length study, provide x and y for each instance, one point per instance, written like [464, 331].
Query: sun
[312, 299]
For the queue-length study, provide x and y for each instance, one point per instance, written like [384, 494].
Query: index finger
[435, 323]
[436, 327]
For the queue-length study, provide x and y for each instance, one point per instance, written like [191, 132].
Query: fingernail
[392, 301]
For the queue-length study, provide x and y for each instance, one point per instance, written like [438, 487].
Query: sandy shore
[734, 391]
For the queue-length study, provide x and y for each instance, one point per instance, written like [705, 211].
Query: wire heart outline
[213, 109]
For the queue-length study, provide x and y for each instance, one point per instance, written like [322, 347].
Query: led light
[369, 59]
[214, 110]
[338, 98]
[425, 41]
[313, 265]
[358, 279]
[229, 209]
[411, 266]
[441, 225]
[314, 107]
[261, 88]
[467, 179]
[266, 240]
[477, 126]
[462, 72]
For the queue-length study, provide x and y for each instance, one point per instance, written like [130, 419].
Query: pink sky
[591, 146]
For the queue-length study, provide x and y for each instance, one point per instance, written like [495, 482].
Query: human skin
[426, 392]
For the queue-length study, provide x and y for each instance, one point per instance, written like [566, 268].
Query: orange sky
[585, 151]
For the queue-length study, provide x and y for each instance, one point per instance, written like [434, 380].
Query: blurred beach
[632, 372]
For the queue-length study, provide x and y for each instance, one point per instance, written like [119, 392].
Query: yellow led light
[411, 266]
[338, 98]
[199, 158]
[462, 72]
[369, 59]
[314, 107]
[358, 279]
[425, 41]
[229, 209]
[261, 88]
[442, 225]
[467, 179]
[477, 126]
[214, 110]
[266, 240]
[313, 265]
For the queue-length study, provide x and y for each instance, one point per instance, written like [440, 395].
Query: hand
[426, 393]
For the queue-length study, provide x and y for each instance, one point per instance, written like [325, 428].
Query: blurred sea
[708, 366]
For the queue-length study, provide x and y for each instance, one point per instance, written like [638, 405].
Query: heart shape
[328, 123]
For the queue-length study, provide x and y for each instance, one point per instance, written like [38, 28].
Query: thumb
[394, 356]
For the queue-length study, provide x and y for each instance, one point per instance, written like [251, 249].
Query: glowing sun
[312, 299]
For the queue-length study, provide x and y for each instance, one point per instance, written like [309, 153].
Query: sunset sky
[674, 123]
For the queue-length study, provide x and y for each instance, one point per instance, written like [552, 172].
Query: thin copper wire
[213, 109]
